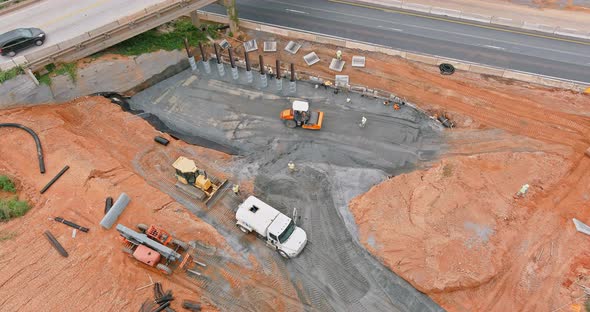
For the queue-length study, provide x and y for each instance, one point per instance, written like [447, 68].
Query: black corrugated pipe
[278, 69]
[231, 58]
[202, 52]
[247, 59]
[292, 72]
[217, 53]
[261, 61]
[37, 142]
[57, 176]
[56, 244]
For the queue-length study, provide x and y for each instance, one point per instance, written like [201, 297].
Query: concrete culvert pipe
[111, 217]
[37, 142]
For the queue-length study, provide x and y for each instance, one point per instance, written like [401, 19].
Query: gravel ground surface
[334, 273]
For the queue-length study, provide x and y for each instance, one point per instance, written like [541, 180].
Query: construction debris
[292, 47]
[59, 174]
[161, 140]
[581, 226]
[153, 245]
[108, 204]
[56, 244]
[358, 61]
[72, 224]
[191, 305]
[523, 190]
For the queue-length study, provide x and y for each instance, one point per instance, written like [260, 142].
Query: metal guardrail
[109, 34]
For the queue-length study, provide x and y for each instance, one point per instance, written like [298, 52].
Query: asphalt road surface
[65, 19]
[333, 165]
[537, 53]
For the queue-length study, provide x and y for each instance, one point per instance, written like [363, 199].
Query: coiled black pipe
[37, 142]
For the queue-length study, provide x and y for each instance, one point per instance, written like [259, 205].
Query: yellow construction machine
[195, 181]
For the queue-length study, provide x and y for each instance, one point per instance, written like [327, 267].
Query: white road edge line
[493, 47]
[296, 11]
[390, 28]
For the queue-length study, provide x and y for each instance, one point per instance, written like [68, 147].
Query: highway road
[537, 53]
[66, 19]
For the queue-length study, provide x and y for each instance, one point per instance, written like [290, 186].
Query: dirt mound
[93, 137]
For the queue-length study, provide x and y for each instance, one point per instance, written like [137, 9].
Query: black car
[19, 39]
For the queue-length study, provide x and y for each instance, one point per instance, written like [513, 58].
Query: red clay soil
[454, 230]
[98, 141]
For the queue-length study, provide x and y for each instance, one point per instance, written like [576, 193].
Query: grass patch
[44, 79]
[12, 208]
[6, 184]
[447, 170]
[4, 236]
[69, 69]
[154, 40]
[11, 73]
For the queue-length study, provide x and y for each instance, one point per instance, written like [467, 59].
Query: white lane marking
[493, 47]
[390, 28]
[296, 11]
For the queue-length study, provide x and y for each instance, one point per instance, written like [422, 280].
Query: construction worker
[327, 83]
[395, 106]
[236, 189]
[386, 103]
[291, 166]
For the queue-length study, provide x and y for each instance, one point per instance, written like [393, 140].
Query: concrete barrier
[476, 17]
[360, 46]
[480, 69]
[41, 53]
[103, 29]
[245, 24]
[74, 41]
[391, 52]
[214, 17]
[506, 22]
[11, 6]
[416, 7]
[273, 30]
[133, 17]
[421, 58]
[569, 32]
[332, 41]
[521, 76]
[445, 12]
[300, 35]
[538, 27]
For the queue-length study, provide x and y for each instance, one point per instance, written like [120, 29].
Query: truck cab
[278, 230]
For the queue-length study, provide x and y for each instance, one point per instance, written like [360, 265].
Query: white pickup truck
[276, 228]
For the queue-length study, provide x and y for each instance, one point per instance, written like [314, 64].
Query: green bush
[6, 184]
[12, 208]
[153, 40]
[11, 73]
